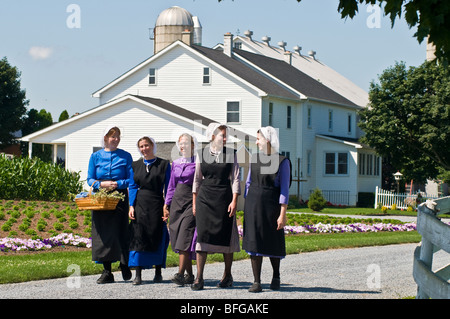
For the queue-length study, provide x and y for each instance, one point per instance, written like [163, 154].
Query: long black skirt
[110, 235]
[261, 212]
[181, 219]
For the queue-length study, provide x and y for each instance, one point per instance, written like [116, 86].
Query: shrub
[384, 209]
[394, 207]
[58, 226]
[73, 225]
[316, 201]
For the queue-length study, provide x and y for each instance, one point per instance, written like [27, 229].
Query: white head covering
[271, 135]
[193, 139]
[211, 129]
[107, 129]
[151, 139]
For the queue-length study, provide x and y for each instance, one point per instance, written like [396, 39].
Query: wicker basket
[90, 203]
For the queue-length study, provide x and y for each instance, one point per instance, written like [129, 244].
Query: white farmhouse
[244, 83]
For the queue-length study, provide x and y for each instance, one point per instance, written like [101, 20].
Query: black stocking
[256, 267]
[276, 266]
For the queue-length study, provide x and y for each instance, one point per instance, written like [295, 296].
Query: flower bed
[17, 244]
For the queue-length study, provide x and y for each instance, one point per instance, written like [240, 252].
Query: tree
[409, 119]
[316, 201]
[12, 102]
[63, 116]
[35, 121]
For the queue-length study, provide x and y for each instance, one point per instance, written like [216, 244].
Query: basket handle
[90, 189]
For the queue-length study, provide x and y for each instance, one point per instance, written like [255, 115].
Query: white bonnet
[107, 129]
[193, 138]
[271, 135]
[211, 128]
[151, 139]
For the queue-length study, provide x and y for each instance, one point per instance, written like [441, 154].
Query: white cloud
[40, 53]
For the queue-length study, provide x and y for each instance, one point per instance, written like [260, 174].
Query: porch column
[55, 153]
[30, 149]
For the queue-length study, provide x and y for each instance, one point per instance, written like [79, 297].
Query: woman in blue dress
[149, 234]
[110, 168]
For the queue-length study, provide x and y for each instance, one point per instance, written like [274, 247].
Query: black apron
[146, 228]
[110, 236]
[214, 226]
[262, 209]
[181, 219]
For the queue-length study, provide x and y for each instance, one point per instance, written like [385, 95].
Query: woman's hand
[110, 185]
[281, 221]
[165, 213]
[233, 205]
[131, 213]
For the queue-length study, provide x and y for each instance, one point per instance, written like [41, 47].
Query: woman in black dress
[110, 168]
[215, 192]
[267, 196]
[149, 234]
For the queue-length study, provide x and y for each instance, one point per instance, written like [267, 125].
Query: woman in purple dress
[267, 196]
[178, 203]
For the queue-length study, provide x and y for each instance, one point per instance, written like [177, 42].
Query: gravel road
[383, 272]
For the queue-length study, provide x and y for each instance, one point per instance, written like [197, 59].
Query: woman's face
[146, 148]
[261, 142]
[185, 146]
[112, 142]
[220, 138]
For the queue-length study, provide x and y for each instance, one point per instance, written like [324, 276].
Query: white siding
[179, 81]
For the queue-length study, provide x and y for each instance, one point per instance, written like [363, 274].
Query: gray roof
[246, 73]
[294, 78]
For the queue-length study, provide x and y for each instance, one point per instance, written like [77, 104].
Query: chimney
[228, 44]
[431, 50]
[288, 57]
[186, 37]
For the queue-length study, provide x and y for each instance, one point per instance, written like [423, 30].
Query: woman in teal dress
[149, 233]
[110, 168]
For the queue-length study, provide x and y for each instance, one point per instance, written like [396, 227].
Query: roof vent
[298, 49]
[266, 40]
[282, 45]
[312, 54]
[248, 34]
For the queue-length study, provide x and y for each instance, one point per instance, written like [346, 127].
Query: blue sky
[62, 66]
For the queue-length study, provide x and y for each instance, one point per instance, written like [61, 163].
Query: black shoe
[197, 285]
[275, 284]
[178, 279]
[106, 278]
[256, 287]
[157, 279]
[126, 272]
[226, 282]
[137, 280]
[188, 279]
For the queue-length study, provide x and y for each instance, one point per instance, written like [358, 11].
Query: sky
[66, 50]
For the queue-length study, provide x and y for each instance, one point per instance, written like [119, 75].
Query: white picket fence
[401, 200]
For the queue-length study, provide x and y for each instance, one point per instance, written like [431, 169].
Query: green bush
[316, 201]
[33, 179]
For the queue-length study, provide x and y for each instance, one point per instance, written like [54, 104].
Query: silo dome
[174, 16]
[170, 26]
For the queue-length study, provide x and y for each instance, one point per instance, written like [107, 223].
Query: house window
[349, 124]
[289, 110]
[152, 76]
[336, 163]
[308, 163]
[206, 76]
[330, 120]
[238, 45]
[286, 154]
[309, 117]
[233, 112]
[271, 114]
[369, 164]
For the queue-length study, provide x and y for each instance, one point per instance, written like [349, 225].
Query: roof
[246, 73]
[294, 78]
[345, 140]
[175, 16]
[312, 66]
